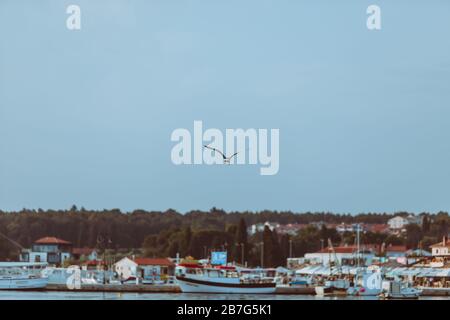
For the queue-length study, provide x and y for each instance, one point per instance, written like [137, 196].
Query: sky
[86, 115]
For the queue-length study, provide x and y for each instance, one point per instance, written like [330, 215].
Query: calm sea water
[52, 295]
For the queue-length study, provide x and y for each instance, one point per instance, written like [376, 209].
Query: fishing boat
[399, 290]
[194, 278]
[22, 276]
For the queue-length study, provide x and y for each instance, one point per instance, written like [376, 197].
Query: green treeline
[196, 233]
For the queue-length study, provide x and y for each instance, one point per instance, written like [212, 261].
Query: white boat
[399, 290]
[22, 276]
[367, 283]
[198, 279]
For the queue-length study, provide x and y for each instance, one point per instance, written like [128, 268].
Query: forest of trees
[196, 233]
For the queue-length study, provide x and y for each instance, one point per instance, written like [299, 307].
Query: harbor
[318, 281]
[361, 270]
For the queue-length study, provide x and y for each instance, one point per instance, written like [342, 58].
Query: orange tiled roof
[440, 244]
[153, 262]
[51, 240]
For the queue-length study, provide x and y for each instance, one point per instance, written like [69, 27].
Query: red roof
[190, 265]
[395, 249]
[51, 240]
[153, 262]
[378, 227]
[441, 244]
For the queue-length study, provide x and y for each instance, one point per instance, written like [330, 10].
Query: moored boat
[198, 279]
[336, 287]
[367, 282]
[22, 276]
[399, 290]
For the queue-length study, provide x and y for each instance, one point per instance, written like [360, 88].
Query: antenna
[11, 240]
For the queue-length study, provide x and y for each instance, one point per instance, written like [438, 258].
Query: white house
[343, 255]
[259, 227]
[48, 249]
[397, 222]
[126, 268]
[144, 268]
[441, 249]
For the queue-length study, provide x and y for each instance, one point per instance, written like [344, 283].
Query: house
[441, 249]
[397, 222]
[126, 268]
[154, 268]
[259, 227]
[85, 254]
[400, 222]
[418, 253]
[145, 268]
[344, 255]
[52, 250]
[395, 251]
[343, 227]
[290, 229]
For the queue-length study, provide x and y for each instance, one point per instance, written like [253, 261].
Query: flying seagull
[226, 160]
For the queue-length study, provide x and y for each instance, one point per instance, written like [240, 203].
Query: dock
[171, 288]
[136, 288]
[435, 292]
[294, 290]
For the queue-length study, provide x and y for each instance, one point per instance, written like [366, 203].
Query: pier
[142, 288]
[137, 288]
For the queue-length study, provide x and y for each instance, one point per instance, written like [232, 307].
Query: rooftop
[441, 244]
[153, 262]
[51, 240]
[395, 248]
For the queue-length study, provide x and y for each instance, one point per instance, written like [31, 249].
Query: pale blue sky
[86, 116]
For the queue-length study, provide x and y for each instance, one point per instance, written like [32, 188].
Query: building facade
[52, 250]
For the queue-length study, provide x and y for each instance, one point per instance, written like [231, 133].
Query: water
[73, 295]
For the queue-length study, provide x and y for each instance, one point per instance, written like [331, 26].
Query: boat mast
[357, 247]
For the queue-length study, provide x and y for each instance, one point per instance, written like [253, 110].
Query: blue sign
[219, 258]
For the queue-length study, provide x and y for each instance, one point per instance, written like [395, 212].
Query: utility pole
[262, 254]
[242, 253]
[357, 247]
[290, 248]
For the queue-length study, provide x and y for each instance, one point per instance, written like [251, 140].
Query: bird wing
[233, 155]
[217, 150]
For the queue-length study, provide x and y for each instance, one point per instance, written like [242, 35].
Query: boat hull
[330, 291]
[401, 296]
[23, 283]
[188, 285]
